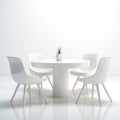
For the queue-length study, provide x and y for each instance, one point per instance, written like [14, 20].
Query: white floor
[59, 108]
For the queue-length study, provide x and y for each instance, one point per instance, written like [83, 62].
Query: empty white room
[59, 59]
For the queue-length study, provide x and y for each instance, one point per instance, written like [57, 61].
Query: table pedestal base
[60, 82]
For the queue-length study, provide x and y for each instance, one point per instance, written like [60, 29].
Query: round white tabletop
[60, 73]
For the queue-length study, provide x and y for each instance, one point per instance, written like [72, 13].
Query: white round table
[60, 73]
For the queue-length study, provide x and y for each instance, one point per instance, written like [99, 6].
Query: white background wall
[78, 26]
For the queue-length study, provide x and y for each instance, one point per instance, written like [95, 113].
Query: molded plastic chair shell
[21, 78]
[85, 71]
[41, 72]
[98, 78]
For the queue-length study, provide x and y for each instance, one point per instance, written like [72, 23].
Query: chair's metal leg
[24, 93]
[86, 87]
[86, 90]
[40, 91]
[49, 81]
[38, 85]
[29, 90]
[41, 85]
[41, 82]
[98, 94]
[106, 92]
[16, 89]
[75, 84]
[80, 93]
[92, 91]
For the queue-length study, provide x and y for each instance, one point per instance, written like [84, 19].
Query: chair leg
[41, 85]
[97, 86]
[29, 91]
[15, 92]
[38, 85]
[40, 91]
[92, 91]
[106, 92]
[75, 84]
[24, 93]
[86, 90]
[49, 81]
[80, 93]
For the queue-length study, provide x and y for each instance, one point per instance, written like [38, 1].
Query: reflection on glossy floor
[59, 108]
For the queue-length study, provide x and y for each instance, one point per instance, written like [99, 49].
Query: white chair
[85, 71]
[41, 72]
[21, 78]
[98, 78]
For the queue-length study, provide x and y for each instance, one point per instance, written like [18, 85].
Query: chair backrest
[16, 68]
[93, 58]
[103, 69]
[35, 56]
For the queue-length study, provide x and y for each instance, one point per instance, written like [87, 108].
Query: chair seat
[41, 71]
[78, 72]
